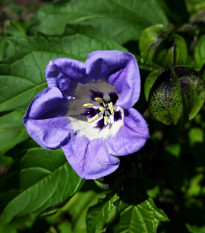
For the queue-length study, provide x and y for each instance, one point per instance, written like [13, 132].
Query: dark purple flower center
[103, 111]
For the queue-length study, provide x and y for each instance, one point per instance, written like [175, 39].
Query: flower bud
[160, 45]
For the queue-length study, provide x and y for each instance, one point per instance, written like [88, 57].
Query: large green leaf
[118, 19]
[21, 79]
[45, 179]
[12, 130]
[143, 217]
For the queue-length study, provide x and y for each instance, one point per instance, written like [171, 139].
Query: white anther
[99, 100]
[96, 117]
[101, 109]
[106, 120]
[88, 105]
[110, 105]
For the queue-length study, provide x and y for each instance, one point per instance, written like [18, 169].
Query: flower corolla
[87, 111]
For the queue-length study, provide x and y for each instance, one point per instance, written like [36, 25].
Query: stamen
[106, 120]
[101, 109]
[99, 100]
[96, 117]
[103, 113]
[88, 105]
[110, 105]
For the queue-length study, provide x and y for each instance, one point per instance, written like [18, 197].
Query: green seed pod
[174, 95]
[159, 44]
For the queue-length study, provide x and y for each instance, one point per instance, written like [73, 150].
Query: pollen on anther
[88, 105]
[110, 105]
[106, 120]
[101, 108]
[96, 117]
[99, 100]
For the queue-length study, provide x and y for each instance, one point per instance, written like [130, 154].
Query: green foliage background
[161, 188]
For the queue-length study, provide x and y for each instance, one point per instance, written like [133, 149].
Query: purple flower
[87, 111]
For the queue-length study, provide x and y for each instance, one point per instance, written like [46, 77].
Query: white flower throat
[94, 112]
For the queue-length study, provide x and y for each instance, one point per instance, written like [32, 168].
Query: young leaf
[116, 215]
[143, 217]
[44, 179]
[100, 214]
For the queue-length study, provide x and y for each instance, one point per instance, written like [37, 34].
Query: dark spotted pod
[174, 95]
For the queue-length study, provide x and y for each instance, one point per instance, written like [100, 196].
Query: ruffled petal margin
[131, 137]
[65, 73]
[45, 119]
[121, 71]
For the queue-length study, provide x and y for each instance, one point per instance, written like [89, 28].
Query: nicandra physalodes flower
[87, 111]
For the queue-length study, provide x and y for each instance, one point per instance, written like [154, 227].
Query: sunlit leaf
[143, 217]
[117, 19]
[100, 214]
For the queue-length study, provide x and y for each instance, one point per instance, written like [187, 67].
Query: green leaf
[195, 185]
[117, 19]
[77, 208]
[200, 52]
[45, 179]
[13, 227]
[12, 131]
[195, 229]
[196, 135]
[114, 214]
[27, 73]
[16, 28]
[99, 215]
[3, 41]
[5, 161]
[143, 217]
